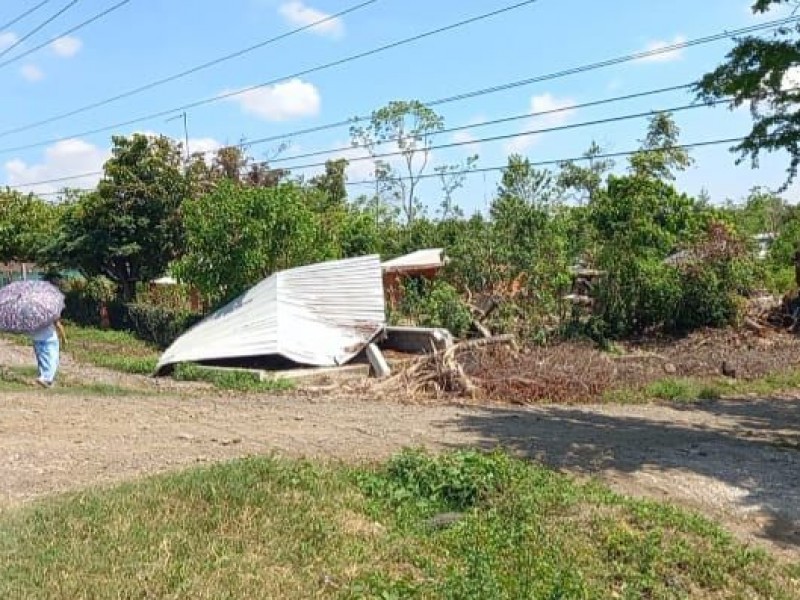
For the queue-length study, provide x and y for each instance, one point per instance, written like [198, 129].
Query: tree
[409, 126]
[452, 178]
[129, 229]
[585, 181]
[524, 193]
[762, 73]
[333, 183]
[27, 224]
[231, 163]
[762, 212]
[237, 235]
[660, 155]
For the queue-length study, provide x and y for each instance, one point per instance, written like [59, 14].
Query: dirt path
[734, 460]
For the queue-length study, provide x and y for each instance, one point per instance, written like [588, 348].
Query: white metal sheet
[319, 315]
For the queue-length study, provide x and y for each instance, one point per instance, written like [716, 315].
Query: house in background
[16, 271]
[425, 264]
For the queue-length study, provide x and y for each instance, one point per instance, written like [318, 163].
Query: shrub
[83, 299]
[158, 325]
[435, 304]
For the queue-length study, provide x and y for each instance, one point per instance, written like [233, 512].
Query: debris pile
[773, 312]
[563, 373]
[443, 370]
[495, 370]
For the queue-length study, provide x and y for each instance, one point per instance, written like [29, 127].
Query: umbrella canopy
[27, 306]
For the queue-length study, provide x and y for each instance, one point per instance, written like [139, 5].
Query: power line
[560, 161]
[438, 102]
[542, 78]
[39, 27]
[72, 30]
[196, 69]
[315, 69]
[19, 18]
[509, 136]
[544, 163]
[510, 119]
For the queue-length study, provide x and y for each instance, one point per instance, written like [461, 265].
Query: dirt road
[734, 460]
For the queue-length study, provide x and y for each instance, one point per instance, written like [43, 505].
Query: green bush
[636, 294]
[157, 325]
[83, 299]
[435, 304]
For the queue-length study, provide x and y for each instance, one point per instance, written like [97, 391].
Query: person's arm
[62, 336]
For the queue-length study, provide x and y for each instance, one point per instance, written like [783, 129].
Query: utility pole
[185, 131]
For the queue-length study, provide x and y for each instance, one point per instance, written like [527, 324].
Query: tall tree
[238, 235]
[523, 183]
[129, 229]
[409, 126]
[764, 74]
[587, 180]
[452, 178]
[333, 182]
[660, 155]
[27, 225]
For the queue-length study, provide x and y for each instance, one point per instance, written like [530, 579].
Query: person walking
[47, 343]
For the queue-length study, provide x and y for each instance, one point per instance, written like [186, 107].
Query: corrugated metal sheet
[320, 315]
[420, 259]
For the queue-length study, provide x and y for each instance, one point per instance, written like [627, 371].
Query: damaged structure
[321, 315]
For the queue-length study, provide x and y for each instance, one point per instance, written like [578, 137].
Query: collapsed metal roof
[318, 315]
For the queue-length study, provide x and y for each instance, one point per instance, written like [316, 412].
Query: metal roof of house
[429, 258]
[319, 315]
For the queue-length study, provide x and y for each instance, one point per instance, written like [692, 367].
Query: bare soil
[735, 460]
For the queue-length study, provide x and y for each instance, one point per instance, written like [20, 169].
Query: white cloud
[8, 39]
[559, 111]
[467, 139]
[31, 73]
[669, 56]
[293, 99]
[299, 14]
[67, 46]
[205, 145]
[62, 159]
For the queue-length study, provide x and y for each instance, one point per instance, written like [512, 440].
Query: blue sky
[149, 39]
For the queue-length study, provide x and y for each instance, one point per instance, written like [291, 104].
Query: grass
[114, 350]
[20, 379]
[693, 389]
[232, 380]
[122, 352]
[270, 528]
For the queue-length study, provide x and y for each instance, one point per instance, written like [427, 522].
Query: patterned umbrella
[27, 306]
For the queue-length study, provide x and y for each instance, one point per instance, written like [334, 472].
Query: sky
[147, 40]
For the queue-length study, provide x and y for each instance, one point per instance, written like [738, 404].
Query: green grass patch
[270, 528]
[230, 379]
[22, 379]
[690, 389]
[122, 352]
[116, 350]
